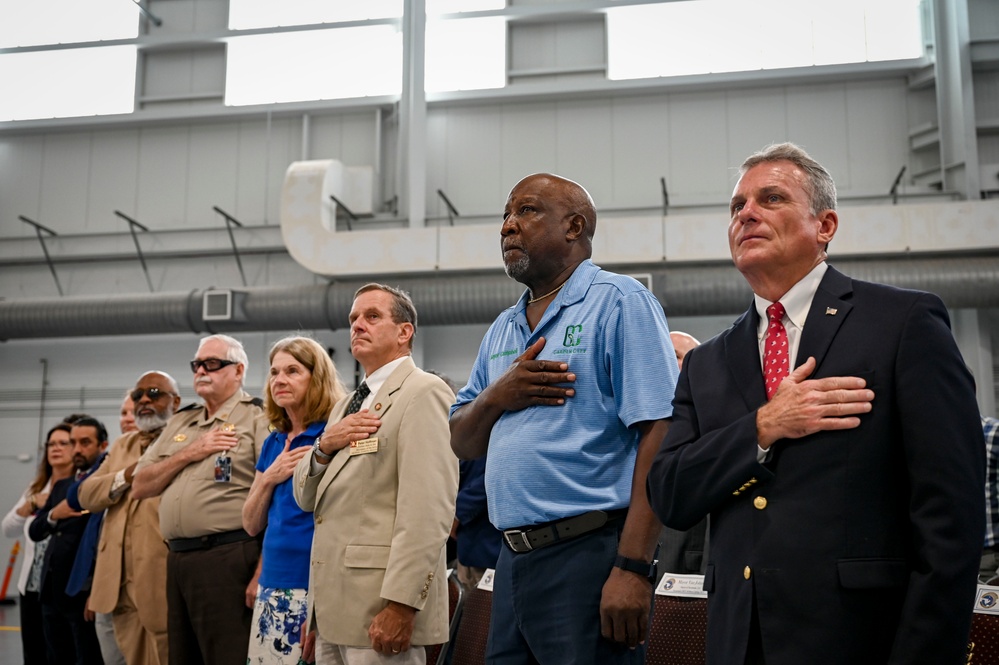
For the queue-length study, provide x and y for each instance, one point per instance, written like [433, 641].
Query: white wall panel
[163, 164]
[698, 147]
[168, 73]
[65, 175]
[529, 143]
[474, 145]
[756, 118]
[438, 122]
[325, 138]
[184, 16]
[114, 166]
[876, 126]
[357, 141]
[254, 187]
[639, 150]
[284, 146]
[584, 147]
[20, 183]
[816, 120]
[211, 174]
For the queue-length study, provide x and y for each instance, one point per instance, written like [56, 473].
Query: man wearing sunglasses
[203, 464]
[130, 574]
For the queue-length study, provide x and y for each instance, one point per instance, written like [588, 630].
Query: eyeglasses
[58, 444]
[153, 393]
[210, 364]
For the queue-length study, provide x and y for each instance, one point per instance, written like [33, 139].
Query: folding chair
[678, 629]
[469, 646]
[455, 597]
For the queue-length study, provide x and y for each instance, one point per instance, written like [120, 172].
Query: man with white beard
[130, 574]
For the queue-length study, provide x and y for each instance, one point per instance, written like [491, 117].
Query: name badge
[364, 446]
[223, 468]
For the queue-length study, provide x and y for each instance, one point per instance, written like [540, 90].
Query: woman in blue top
[300, 392]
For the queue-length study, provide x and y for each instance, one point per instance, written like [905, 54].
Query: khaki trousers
[139, 644]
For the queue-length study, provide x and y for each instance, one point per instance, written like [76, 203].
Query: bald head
[682, 344]
[548, 226]
[569, 193]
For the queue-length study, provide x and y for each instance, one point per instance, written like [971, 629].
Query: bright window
[456, 6]
[705, 36]
[65, 83]
[319, 64]
[245, 14]
[465, 54]
[36, 22]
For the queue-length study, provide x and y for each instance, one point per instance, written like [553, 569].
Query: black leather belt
[537, 536]
[207, 542]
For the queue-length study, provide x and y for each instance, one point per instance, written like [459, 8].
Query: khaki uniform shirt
[194, 504]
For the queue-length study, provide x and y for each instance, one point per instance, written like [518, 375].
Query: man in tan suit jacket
[130, 573]
[382, 482]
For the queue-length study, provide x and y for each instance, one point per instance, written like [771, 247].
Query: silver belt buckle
[517, 539]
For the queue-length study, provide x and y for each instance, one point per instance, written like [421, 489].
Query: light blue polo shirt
[549, 462]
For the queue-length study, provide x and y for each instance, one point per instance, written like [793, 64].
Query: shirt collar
[377, 378]
[797, 300]
[574, 290]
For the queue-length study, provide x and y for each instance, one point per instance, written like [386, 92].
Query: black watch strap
[643, 568]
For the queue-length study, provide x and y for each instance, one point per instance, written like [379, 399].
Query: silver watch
[321, 457]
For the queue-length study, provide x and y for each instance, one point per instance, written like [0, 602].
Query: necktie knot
[775, 356]
[776, 312]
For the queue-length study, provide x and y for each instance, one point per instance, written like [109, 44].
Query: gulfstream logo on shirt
[573, 338]
[508, 352]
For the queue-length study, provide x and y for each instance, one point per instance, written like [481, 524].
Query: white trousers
[328, 653]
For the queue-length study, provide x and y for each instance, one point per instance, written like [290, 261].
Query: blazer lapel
[742, 351]
[827, 313]
[379, 406]
[342, 456]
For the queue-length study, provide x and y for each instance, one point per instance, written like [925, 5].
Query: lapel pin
[831, 311]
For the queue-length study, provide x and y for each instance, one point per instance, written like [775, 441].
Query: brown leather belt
[536, 536]
[207, 542]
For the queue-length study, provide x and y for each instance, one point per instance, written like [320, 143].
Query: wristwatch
[321, 457]
[643, 568]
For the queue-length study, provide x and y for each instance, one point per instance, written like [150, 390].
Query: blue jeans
[546, 605]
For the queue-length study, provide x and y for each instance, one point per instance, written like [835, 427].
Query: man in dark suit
[69, 637]
[844, 487]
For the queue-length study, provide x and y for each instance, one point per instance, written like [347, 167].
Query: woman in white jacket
[58, 464]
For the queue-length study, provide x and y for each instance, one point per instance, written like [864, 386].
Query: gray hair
[234, 349]
[822, 189]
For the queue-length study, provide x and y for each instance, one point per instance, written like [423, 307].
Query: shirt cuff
[316, 466]
[118, 486]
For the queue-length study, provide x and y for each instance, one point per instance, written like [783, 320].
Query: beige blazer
[382, 518]
[131, 546]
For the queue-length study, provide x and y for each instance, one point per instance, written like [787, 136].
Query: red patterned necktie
[775, 361]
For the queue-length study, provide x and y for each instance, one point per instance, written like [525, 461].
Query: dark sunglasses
[154, 393]
[210, 364]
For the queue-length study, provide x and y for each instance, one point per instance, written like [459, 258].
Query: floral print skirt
[276, 629]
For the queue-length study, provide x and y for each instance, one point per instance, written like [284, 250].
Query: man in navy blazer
[846, 510]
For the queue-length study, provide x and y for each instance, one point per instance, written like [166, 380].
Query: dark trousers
[546, 605]
[207, 618]
[69, 638]
[32, 631]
